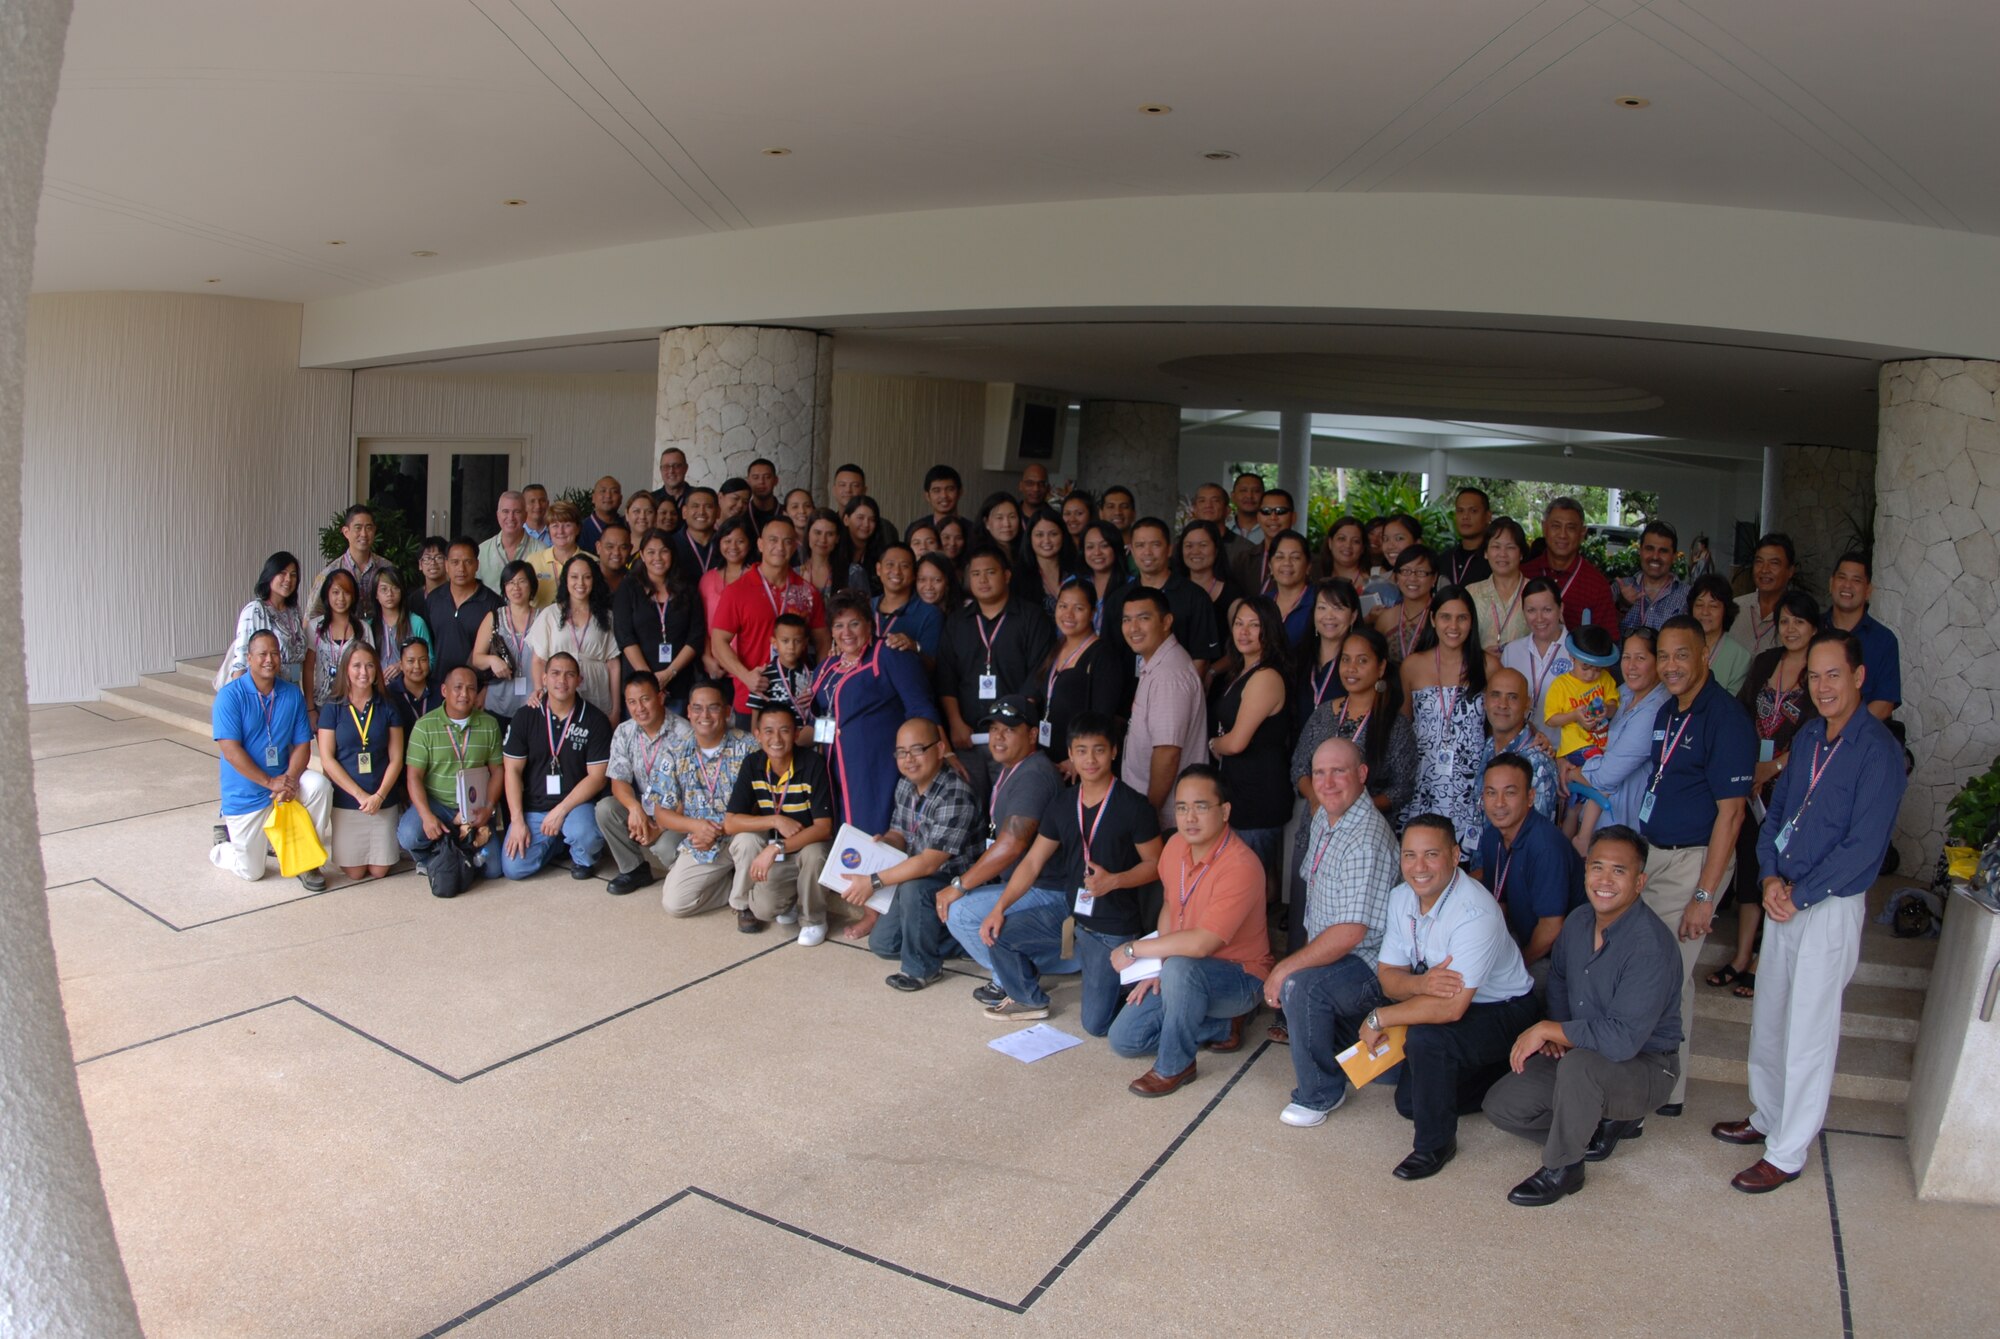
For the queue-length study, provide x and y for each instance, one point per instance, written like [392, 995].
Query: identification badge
[823, 729]
[1084, 902]
[1646, 807]
[989, 686]
[779, 858]
[1138, 664]
[1046, 735]
[666, 653]
[271, 756]
[1783, 839]
[552, 783]
[364, 763]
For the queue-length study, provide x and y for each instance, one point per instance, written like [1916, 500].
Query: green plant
[1975, 808]
[394, 539]
[581, 498]
[1371, 498]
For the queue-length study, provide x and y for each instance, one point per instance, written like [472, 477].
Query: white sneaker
[1304, 1118]
[787, 917]
[810, 935]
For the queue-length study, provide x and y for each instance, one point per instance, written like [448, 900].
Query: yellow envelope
[1362, 1068]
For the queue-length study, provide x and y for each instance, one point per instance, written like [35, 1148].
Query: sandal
[1280, 1034]
[1724, 975]
[1746, 986]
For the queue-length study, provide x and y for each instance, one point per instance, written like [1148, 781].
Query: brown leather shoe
[1155, 1084]
[1737, 1132]
[1761, 1178]
[1234, 1041]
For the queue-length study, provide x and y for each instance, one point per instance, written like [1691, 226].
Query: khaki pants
[694, 886]
[794, 881]
[628, 854]
[1671, 877]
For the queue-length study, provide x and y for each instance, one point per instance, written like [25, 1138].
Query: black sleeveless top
[1260, 791]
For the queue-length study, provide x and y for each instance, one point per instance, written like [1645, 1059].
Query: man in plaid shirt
[936, 820]
[1351, 864]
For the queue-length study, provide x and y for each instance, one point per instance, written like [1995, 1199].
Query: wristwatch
[1703, 895]
[1374, 1020]
[875, 882]
[957, 885]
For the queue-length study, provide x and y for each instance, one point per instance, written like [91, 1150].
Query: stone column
[1825, 500]
[1135, 444]
[731, 393]
[1295, 455]
[1937, 578]
[59, 1268]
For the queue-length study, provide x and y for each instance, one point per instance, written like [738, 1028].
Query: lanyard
[270, 706]
[1461, 560]
[1667, 753]
[1436, 911]
[1575, 571]
[711, 777]
[775, 597]
[1359, 725]
[1405, 639]
[1448, 698]
[1759, 630]
[459, 743]
[1056, 669]
[704, 554]
[575, 640]
[1500, 884]
[361, 728]
[1501, 617]
[660, 607]
[778, 793]
[1088, 834]
[1540, 667]
[840, 681]
[648, 755]
[1321, 683]
[1648, 602]
[1006, 774]
[1320, 854]
[549, 725]
[1188, 888]
[987, 638]
[1818, 771]
[882, 628]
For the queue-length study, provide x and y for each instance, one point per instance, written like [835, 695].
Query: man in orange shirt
[1213, 946]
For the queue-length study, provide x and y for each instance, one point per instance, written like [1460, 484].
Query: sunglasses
[1274, 511]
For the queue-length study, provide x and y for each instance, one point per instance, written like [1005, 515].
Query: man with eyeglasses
[935, 821]
[1213, 945]
[693, 785]
[673, 476]
[1251, 568]
[1169, 723]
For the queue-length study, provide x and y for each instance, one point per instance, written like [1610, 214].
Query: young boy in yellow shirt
[1581, 701]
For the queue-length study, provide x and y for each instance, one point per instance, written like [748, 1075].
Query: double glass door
[447, 488]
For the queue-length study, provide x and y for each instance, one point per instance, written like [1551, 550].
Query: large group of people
[1458, 796]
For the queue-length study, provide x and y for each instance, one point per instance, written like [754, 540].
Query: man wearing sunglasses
[1275, 514]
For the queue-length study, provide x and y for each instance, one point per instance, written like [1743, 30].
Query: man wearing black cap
[1024, 781]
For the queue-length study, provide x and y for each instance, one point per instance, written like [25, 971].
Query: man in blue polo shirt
[1822, 844]
[265, 733]
[1882, 687]
[1532, 869]
[1704, 751]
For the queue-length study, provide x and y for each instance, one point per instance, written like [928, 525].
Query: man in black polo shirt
[991, 648]
[1704, 751]
[457, 608]
[557, 755]
[1194, 613]
[1465, 562]
[1608, 1051]
[780, 821]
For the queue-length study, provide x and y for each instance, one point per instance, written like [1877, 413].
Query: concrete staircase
[1879, 1014]
[181, 697]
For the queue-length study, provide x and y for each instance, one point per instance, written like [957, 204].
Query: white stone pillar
[1437, 476]
[731, 393]
[1135, 444]
[1937, 578]
[1295, 450]
[59, 1268]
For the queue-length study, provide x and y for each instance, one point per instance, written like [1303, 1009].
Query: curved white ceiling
[235, 139]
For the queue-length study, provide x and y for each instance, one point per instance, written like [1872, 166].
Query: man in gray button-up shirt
[1608, 1051]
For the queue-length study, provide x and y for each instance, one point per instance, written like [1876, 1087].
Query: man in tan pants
[779, 823]
[1704, 752]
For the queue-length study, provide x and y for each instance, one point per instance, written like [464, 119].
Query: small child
[787, 681]
[1580, 701]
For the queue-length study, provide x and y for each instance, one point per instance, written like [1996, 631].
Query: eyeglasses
[915, 752]
[1182, 808]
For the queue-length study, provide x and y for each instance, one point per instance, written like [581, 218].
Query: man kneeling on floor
[556, 756]
[261, 723]
[935, 821]
[779, 823]
[1213, 945]
[1456, 980]
[451, 739]
[1609, 1050]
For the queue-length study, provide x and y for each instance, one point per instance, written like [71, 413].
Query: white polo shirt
[1465, 925]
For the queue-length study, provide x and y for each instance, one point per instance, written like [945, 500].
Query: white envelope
[1142, 969]
[855, 852]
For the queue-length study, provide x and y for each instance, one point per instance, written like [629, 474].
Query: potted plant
[1974, 813]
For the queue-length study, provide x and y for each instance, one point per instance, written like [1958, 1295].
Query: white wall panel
[172, 444]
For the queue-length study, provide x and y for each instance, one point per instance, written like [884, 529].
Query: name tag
[271, 756]
[1045, 735]
[364, 763]
[989, 687]
[666, 653]
[552, 784]
[823, 729]
[1783, 839]
[1646, 807]
[1660, 734]
[1084, 902]
[1138, 664]
[779, 857]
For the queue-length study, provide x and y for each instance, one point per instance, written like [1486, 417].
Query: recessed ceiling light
[426, 255]
[336, 244]
[1219, 155]
[1629, 101]
[777, 151]
[1154, 108]
[513, 202]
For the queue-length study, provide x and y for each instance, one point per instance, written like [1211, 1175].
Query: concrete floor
[538, 1110]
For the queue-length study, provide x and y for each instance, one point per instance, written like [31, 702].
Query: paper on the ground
[855, 852]
[1032, 1043]
[1142, 969]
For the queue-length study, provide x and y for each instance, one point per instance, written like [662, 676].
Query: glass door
[447, 488]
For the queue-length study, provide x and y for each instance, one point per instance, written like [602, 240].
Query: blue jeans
[910, 929]
[977, 904]
[1032, 930]
[1103, 992]
[1323, 1008]
[579, 833]
[410, 835]
[1268, 843]
[1195, 1000]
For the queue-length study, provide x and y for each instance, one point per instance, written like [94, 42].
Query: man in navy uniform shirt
[1704, 751]
[1851, 585]
[1822, 844]
[1532, 869]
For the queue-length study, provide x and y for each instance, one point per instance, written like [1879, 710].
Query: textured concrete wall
[1826, 496]
[1135, 444]
[59, 1268]
[729, 394]
[1937, 576]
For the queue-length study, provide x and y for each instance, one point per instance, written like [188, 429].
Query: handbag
[289, 829]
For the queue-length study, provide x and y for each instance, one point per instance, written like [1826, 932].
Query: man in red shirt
[1213, 945]
[739, 637]
[1582, 586]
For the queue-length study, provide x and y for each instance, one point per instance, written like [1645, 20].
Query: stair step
[1883, 1013]
[205, 666]
[163, 707]
[1870, 1069]
[186, 687]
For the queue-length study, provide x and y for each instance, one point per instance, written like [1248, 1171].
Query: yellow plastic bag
[289, 829]
[1961, 862]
